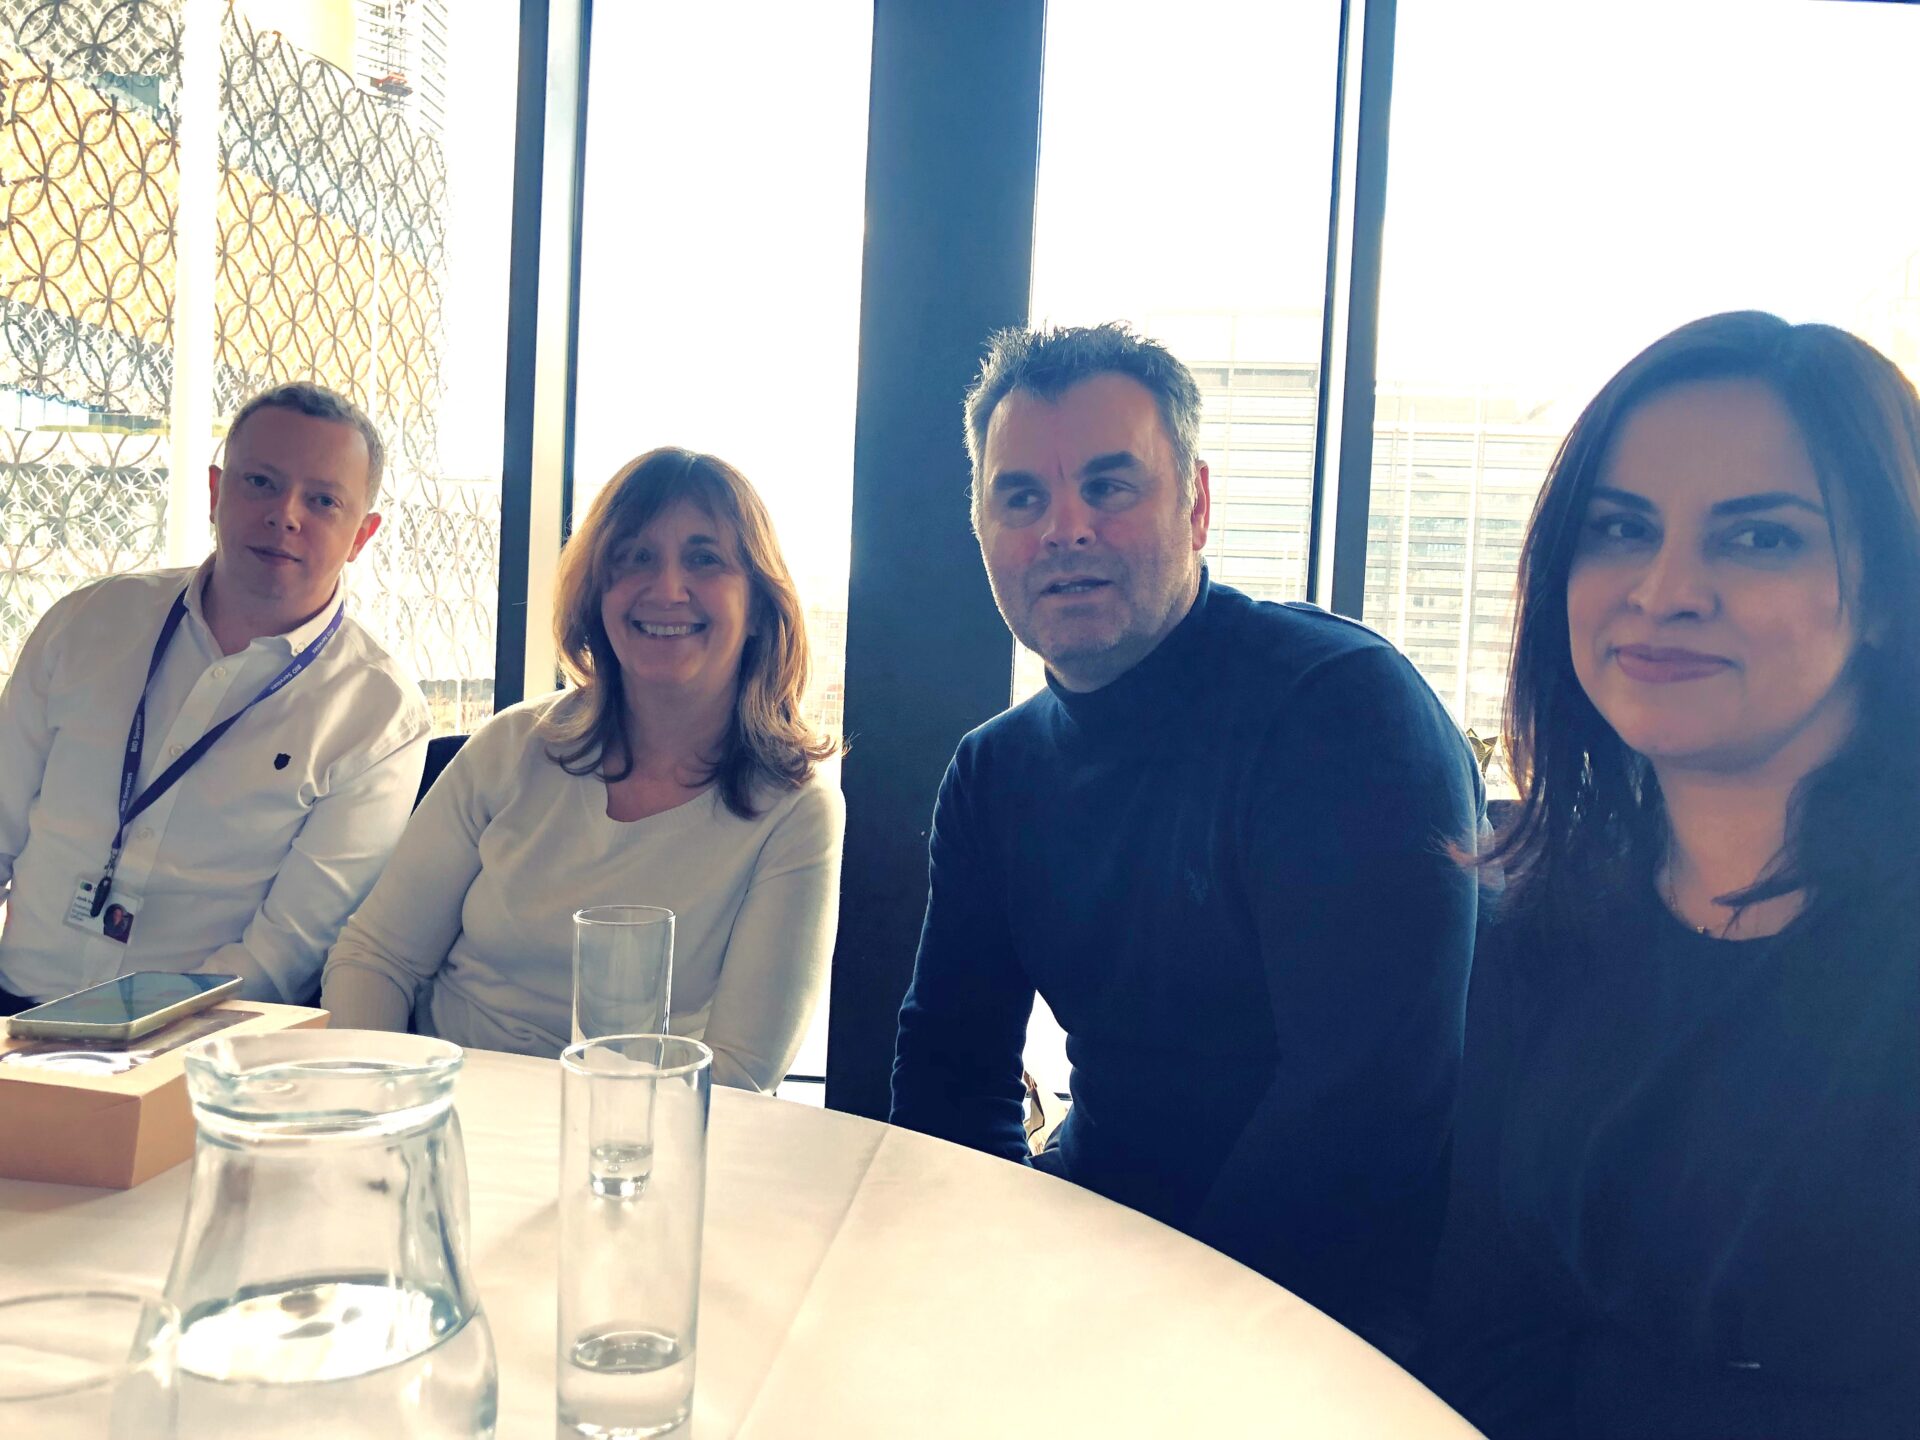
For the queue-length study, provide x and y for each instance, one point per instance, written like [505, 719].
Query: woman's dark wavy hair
[1590, 817]
[770, 745]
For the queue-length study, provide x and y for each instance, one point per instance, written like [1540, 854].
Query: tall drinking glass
[88, 1363]
[630, 1253]
[622, 970]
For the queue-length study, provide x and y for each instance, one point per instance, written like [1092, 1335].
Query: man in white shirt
[206, 769]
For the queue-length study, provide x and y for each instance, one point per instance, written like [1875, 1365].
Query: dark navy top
[1686, 1195]
[1228, 872]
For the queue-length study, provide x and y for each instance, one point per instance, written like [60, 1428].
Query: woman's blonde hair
[770, 744]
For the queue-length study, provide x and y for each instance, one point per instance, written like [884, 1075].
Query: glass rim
[702, 1057]
[319, 1053]
[148, 1302]
[622, 915]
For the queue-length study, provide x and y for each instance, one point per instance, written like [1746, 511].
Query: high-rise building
[1259, 378]
[400, 53]
[1455, 475]
[827, 639]
[1256, 435]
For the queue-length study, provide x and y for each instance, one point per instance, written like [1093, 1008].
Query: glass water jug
[321, 1276]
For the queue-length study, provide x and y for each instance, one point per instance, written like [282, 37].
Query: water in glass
[625, 1382]
[632, 1201]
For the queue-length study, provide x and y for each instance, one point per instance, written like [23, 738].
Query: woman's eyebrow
[1769, 500]
[1624, 498]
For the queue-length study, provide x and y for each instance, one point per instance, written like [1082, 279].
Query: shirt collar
[294, 640]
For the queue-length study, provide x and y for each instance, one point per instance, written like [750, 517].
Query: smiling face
[289, 512]
[678, 605]
[1092, 555]
[1705, 608]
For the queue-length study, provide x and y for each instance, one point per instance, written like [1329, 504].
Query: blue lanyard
[132, 805]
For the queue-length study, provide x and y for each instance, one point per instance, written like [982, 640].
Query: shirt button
[175, 749]
[143, 833]
[219, 672]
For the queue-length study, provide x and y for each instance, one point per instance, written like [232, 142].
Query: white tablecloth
[859, 1281]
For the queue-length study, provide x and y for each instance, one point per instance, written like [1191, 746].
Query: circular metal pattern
[330, 235]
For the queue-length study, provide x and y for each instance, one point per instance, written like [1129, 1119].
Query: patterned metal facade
[330, 231]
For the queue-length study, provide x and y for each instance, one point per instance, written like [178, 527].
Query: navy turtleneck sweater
[1228, 872]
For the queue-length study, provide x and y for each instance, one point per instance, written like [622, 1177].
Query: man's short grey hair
[1048, 363]
[306, 398]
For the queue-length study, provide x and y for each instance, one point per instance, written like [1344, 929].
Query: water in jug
[321, 1276]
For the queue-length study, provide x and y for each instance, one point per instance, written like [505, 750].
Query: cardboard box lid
[82, 1127]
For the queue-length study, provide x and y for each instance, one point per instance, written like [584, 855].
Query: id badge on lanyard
[91, 909]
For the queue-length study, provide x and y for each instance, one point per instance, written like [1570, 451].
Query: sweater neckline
[1669, 929]
[594, 793]
[1153, 689]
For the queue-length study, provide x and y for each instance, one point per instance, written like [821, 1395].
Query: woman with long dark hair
[1686, 1195]
[677, 769]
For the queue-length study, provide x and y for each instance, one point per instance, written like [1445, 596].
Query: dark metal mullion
[525, 303]
[1329, 311]
[1349, 587]
[573, 267]
[523, 297]
[952, 157]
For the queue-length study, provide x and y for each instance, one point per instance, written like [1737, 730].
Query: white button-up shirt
[253, 860]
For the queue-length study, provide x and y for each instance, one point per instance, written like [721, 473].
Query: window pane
[1742, 161]
[350, 229]
[720, 289]
[1186, 157]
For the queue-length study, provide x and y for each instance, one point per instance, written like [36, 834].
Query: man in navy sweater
[1219, 843]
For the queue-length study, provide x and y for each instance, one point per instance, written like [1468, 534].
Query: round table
[858, 1281]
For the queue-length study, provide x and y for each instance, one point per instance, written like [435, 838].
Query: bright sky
[720, 302]
[1567, 183]
[1184, 165]
[483, 67]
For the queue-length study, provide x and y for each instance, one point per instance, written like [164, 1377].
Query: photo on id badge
[114, 920]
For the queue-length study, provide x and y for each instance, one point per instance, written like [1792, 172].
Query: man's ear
[1202, 504]
[364, 534]
[213, 491]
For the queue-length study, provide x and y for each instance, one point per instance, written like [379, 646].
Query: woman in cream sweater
[677, 771]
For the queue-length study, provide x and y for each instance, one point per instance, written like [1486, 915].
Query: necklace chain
[1673, 903]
